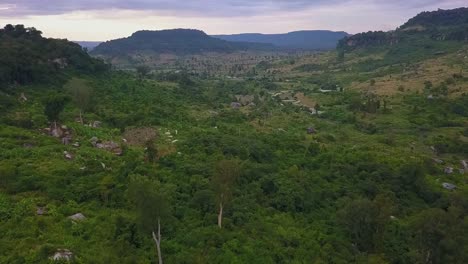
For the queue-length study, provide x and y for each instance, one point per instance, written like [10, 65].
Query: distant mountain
[308, 39]
[90, 45]
[175, 41]
[426, 27]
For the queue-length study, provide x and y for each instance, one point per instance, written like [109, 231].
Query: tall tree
[224, 178]
[152, 207]
[143, 71]
[151, 151]
[54, 105]
[359, 218]
[81, 95]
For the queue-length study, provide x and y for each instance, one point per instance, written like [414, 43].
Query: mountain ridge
[177, 41]
[301, 39]
[440, 25]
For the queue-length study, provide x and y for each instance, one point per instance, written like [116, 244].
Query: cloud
[193, 7]
[213, 8]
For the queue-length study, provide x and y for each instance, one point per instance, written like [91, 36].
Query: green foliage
[150, 202]
[54, 105]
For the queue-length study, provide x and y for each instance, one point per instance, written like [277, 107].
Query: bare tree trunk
[220, 215]
[81, 117]
[157, 240]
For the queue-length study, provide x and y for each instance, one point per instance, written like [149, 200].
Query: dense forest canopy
[346, 156]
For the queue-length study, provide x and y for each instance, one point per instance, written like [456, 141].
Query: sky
[99, 20]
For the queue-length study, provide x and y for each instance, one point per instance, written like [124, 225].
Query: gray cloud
[212, 8]
[199, 7]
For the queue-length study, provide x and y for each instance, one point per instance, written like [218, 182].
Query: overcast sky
[110, 19]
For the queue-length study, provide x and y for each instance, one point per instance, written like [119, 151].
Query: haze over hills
[185, 41]
[306, 39]
[90, 45]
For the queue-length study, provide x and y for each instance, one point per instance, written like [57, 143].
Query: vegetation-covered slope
[441, 25]
[26, 57]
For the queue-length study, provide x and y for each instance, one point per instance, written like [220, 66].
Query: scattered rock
[448, 170]
[245, 99]
[213, 113]
[438, 161]
[110, 146]
[66, 140]
[28, 145]
[77, 217]
[464, 164]
[67, 155]
[96, 124]
[41, 210]
[449, 186]
[311, 131]
[235, 105]
[23, 98]
[94, 141]
[56, 132]
[60, 63]
[62, 255]
[76, 144]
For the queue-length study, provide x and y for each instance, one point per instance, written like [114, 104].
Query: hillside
[176, 41]
[426, 30]
[27, 57]
[307, 39]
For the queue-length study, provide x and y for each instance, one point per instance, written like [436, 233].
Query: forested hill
[439, 18]
[176, 41]
[441, 25]
[307, 39]
[26, 57]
